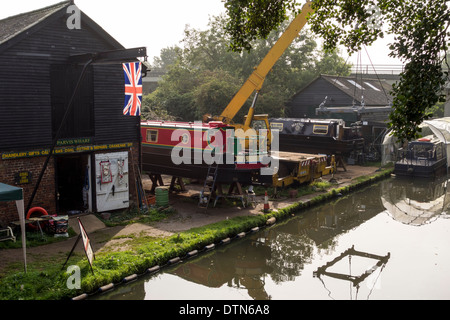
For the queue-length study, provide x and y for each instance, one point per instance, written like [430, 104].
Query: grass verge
[47, 280]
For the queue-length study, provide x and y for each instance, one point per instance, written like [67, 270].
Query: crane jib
[256, 79]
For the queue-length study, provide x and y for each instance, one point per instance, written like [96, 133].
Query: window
[259, 125]
[276, 126]
[372, 86]
[320, 129]
[152, 135]
[341, 84]
[356, 85]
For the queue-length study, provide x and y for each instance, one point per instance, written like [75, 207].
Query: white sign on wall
[112, 182]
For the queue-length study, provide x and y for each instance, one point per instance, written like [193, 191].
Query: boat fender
[241, 235]
[153, 269]
[80, 297]
[174, 260]
[210, 247]
[129, 278]
[271, 221]
[255, 229]
[192, 253]
[225, 241]
[106, 288]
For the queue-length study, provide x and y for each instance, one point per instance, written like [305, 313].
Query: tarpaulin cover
[11, 193]
[439, 127]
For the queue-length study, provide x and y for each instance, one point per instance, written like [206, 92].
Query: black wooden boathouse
[42, 57]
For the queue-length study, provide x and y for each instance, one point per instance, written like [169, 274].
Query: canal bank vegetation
[47, 280]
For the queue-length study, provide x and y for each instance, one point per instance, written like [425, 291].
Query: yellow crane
[256, 79]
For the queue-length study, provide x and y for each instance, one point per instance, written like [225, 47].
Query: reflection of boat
[425, 157]
[323, 136]
[240, 266]
[414, 203]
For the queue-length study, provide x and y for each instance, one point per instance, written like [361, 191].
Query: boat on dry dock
[318, 136]
[189, 149]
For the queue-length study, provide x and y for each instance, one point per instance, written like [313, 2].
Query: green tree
[173, 96]
[168, 57]
[206, 74]
[421, 35]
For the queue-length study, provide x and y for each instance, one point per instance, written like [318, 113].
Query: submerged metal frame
[356, 280]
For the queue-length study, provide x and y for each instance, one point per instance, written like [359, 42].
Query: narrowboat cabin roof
[428, 139]
[185, 125]
[309, 120]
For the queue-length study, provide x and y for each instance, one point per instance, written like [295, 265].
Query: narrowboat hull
[164, 145]
[424, 158]
[158, 161]
[319, 145]
[317, 136]
[420, 170]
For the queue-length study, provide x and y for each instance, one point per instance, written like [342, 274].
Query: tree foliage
[421, 35]
[203, 77]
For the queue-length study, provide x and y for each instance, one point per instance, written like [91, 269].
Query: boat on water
[317, 136]
[189, 149]
[425, 157]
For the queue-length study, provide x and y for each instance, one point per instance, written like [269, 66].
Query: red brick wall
[45, 195]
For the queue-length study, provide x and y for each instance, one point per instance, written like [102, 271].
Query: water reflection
[242, 266]
[307, 256]
[357, 279]
[415, 202]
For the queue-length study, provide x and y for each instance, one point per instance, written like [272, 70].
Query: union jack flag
[133, 88]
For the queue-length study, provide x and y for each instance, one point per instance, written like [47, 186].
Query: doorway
[72, 183]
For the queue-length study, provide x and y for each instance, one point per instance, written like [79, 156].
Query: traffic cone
[266, 203]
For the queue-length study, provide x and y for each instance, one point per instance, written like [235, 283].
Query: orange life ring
[33, 210]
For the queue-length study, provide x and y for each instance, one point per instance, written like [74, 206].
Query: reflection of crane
[256, 79]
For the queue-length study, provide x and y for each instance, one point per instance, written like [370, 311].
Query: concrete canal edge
[271, 219]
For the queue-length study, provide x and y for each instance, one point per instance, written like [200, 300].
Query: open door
[112, 186]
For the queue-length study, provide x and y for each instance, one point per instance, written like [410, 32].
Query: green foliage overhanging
[203, 77]
[420, 29]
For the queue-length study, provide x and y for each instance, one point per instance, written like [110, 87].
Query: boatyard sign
[64, 150]
[86, 243]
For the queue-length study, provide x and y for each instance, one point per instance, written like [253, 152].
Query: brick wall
[45, 195]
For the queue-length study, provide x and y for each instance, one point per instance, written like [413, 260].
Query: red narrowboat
[188, 149]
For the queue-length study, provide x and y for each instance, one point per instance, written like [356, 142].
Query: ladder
[208, 186]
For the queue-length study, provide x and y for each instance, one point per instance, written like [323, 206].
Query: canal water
[387, 241]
